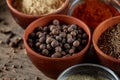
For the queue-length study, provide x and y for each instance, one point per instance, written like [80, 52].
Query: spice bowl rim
[67, 71]
[46, 17]
[99, 27]
[10, 5]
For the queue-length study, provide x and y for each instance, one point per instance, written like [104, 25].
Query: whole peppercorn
[69, 36]
[58, 38]
[62, 34]
[73, 33]
[54, 43]
[70, 40]
[45, 52]
[49, 40]
[42, 39]
[84, 36]
[51, 27]
[76, 43]
[58, 49]
[71, 51]
[67, 46]
[37, 44]
[84, 42]
[56, 22]
[40, 35]
[64, 27]
[63, 53]
[63, 40]
[70, 29]
[42, 46]
[46, 29]
[80, 30]
[49, 47]
[56, 55]
[55, 31]
[37, 33]
[32, 35]
[74, 26]
[39, 28]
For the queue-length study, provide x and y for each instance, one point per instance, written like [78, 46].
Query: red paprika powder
[93, 12]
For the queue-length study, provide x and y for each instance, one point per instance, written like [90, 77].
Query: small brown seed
[73, 33]
[56, 22]
[54, 43]
[70, 29]
[62, 34]
[56, 55]
[76, 43]
[45, 52]
[58, 49]
[52, 27]
[42, 46]
[67, 46]
[55, 31]
[70, 40]
[42, 39]
[49, 40]
[71, 51]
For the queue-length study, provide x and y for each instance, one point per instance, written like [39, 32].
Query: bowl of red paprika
[93, 12]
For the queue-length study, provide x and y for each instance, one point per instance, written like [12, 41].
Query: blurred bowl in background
[95, 12]
[24, 19]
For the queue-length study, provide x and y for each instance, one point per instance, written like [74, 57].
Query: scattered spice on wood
[92, 12]
[109, 41]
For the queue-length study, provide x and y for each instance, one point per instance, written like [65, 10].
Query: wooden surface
[14, 62]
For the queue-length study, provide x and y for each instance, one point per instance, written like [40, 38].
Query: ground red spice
[93, 12]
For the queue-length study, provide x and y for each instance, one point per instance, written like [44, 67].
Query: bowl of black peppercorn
[56, 42]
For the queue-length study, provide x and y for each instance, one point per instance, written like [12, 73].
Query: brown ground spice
[109, 41]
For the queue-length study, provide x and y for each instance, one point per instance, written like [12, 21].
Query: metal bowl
[88, 69]
[76, 2]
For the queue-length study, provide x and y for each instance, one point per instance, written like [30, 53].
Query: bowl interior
[62, 18]
[89, 69]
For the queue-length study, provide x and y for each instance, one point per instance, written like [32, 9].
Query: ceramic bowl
[52, 67]
[24, 19]
[105, 59]
[89, 69]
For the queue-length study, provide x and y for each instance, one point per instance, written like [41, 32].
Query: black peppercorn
[66, 45]
[62, 34]
[71, 51]
[45, 52]
[55, 22]
[58, 49]
[74, 26]
[54, 43]
[76, 43]
[56, 55]
[42, 39]
[42, 46]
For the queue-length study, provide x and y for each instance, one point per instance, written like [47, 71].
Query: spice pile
[93, 12]
[109, 41]
[58, 39]
[37, 7]
[85, 77]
